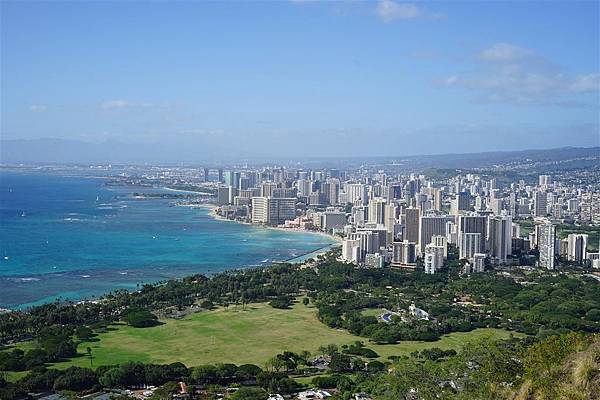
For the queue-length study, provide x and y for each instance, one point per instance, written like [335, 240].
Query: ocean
[73, 237]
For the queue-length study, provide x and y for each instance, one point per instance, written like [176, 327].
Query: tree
[375, 367]
[204, 374]
[248, 372]
[250, 393]
[305, 301]
[329, 350]
[83, 333]
[275, 364]
[76, 379]
[114, 377]
[283, 302]
[88, 351]
[140, 318]
[340, 363]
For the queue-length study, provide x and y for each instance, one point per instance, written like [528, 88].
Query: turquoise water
[73, 237]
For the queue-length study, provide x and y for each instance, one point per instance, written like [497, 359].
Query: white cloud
[116, 104]
[514, 74]
[586, 83]
[388, 11]
[505, 52]
[38, 108]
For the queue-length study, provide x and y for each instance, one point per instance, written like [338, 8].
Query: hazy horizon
[302, 78]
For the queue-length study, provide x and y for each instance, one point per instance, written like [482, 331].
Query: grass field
[239, 336]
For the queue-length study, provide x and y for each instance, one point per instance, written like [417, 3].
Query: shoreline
[134, 276]
[337, 241]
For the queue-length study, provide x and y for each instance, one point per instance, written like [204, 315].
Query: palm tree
[89, 354]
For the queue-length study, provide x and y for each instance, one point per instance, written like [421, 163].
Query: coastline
[155, 251]
[337, 241]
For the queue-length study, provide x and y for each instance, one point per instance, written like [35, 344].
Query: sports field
[239, 336]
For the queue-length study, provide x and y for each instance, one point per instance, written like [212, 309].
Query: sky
[303, 78]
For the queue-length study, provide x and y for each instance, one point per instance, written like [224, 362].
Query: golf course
[252, 334]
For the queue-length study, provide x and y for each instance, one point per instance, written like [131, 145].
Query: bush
[250, 393]
[375, 367]
[325, 382]
[140, 318]
[340, 363]
[281, 302]
[76, 379]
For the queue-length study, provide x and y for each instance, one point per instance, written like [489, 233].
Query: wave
[25, 279]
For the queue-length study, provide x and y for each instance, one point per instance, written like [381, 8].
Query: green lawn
[238, 336]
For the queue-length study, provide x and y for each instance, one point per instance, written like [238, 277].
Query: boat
[23, 214]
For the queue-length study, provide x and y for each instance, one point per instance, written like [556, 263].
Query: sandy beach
[338, 240]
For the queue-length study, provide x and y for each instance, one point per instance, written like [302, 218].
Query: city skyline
[276, 78]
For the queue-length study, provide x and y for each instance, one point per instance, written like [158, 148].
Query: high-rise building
[377, 211]
[223, 195]
[460, 203]
[244, 183]
[395, 191]
[497, 205]
[272, 210]
[404, 254]
[478, 262]
[442, 241]
[500, 237]
[351, 250]
[469, 244]
[577, 244]
[434, 258]
[333, 220]
[474, 224]
[267, 189]
[368, 243]
[540, 204]
[544, 180]
[304, 187]
[411, 224]
[205, 175]
[334, 191]
[431, 225]
[452, 232]
[546, 238]
[357, 192]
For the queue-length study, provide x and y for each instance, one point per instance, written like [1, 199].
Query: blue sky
[302, 77]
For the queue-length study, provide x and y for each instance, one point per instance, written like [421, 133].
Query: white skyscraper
[434, 258]
[577, 247]
[356, 192]
[377, 211]
[545, 239]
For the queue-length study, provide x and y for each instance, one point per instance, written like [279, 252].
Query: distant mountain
[62, 151]
[65, 151]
